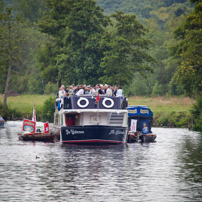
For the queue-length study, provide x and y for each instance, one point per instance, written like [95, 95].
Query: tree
[48, 110]
[82, 39]
[31, 10]
[76, 28]
[125, 51]
[189, 52]
[9, 41]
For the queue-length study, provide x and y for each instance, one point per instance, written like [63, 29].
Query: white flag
[133, 125]
[34, 114]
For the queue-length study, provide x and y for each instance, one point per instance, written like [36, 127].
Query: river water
[169, 169]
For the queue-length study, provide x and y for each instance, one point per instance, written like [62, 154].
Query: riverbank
[167, 111]
[21, 106]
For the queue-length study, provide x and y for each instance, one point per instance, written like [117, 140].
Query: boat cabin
[140, 118]
[84, 111]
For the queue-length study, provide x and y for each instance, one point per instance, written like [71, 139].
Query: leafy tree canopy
[31, 10]
[76, 28]
[125, 50]
[189, 52]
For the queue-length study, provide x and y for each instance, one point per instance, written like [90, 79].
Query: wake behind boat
[91, 119]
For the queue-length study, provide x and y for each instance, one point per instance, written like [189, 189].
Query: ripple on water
[168, 170]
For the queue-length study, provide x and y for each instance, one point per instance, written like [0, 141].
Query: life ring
[80, 105]
[108, 106]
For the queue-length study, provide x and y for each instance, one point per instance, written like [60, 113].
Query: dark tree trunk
[9, 68]
[59, 83]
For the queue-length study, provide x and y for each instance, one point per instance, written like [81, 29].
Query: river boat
[91, 119]
[37, 136]
[29, 132]
[140, 119]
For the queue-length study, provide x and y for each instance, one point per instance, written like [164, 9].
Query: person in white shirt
[119, 92]
[62, 92]
[109, 91]
[1, 118]
[92, 90]
[80, 92]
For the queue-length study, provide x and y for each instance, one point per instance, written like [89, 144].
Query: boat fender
[79, 102]
[108, 106]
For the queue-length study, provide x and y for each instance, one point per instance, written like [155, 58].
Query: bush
[48, 109]
[174, 119]
[163, 120]
[196, 112]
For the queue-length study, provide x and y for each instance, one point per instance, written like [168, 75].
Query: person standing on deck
[101, 90]
[97, 87]
[81, 91]
[92, 90]
[105, 88]
[62, 92]
[109, 91]
[119, 92]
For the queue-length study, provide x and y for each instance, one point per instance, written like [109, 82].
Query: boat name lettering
[120, 132]
[132, 111]
[72, 131]
[112, 132]
[144, 111]
[116, 132]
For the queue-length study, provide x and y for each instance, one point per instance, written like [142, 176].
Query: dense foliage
[125, 50]
[76, 28]
[197, 114]
[48, 109]
[46, 43]
[188, 51]
[72, 45]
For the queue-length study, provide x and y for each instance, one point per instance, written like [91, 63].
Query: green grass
[173, 111]
[25, 103]
[166, 105]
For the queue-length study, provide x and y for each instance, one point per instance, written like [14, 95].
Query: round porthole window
[104, 102]
[81, 104]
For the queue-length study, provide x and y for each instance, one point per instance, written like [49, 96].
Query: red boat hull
[37, 137]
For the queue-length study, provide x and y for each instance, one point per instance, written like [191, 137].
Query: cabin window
[56, 120]
[72, 119]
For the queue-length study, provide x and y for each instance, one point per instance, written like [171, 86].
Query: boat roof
[139, 110]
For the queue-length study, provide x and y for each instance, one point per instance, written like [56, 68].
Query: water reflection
[168, 170]
[190, 163]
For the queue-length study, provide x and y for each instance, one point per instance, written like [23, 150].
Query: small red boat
[30, 134]
[37, 136]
